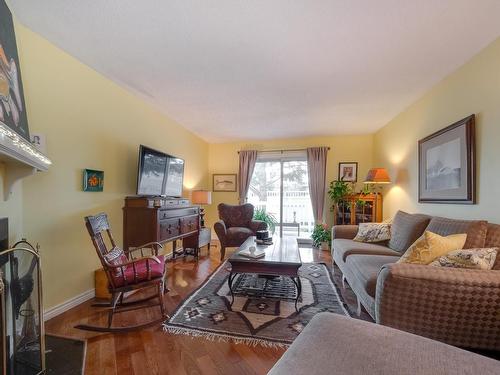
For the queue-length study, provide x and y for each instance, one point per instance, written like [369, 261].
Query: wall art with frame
[447, 164]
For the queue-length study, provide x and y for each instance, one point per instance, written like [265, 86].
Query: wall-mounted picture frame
[12, 104]
[224, 182]
[348, 171]
[447, 164]
[93, 180]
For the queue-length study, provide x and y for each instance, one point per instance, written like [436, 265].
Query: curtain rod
[291, 149]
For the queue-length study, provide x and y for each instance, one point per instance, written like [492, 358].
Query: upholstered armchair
[236, 224]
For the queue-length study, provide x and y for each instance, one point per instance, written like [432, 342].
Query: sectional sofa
[335, 344]
[457, 306]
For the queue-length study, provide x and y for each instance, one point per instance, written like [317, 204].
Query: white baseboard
[68, 304]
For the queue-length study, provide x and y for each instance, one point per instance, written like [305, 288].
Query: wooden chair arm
[145, 246]
[131, 262]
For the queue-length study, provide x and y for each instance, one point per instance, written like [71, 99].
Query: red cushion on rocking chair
[116, 256]
[141, 272]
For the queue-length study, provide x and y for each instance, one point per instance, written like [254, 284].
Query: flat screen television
[159, 174]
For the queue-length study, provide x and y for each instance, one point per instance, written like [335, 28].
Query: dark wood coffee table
[282, 259]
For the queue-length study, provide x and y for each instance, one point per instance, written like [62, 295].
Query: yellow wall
[473, 88]
[223, 158]
[89, 122]
[12, 208]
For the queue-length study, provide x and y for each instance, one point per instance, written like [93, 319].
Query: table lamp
[377, 176]
[202, 197]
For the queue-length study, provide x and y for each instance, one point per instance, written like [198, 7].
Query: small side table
[196, 242]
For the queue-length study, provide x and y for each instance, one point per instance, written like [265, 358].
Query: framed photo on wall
[93, 180]
[348, 171]
[224, 182]
[447, 164]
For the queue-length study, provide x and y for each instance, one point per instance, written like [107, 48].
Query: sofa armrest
[256, 225]
[221, 231]
[347, 232]
[458, 306]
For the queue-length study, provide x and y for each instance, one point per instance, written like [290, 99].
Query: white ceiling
[240, 69]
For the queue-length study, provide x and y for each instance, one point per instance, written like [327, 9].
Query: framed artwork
[224, 182]
[348, 171]
[93, 180]
[12, 106]
[447, 164]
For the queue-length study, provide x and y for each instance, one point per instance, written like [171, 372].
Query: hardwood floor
[152, 351]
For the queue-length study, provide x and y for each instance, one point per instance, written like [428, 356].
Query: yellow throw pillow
[431, 246]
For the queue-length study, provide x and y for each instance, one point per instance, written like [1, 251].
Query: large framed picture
[224, 182]
[348, 171]
[446, 163]
[12, 105]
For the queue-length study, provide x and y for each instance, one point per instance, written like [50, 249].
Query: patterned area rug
[263, 311]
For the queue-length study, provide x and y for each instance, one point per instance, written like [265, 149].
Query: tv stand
[159, 219]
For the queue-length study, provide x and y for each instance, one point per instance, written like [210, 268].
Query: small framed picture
[348, 171]
[224, 182]
[93, 180]
[38, 140]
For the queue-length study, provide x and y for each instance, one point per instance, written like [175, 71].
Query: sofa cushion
[333, 344]
[344, 248]
[493, 240]
[365, 269]
[405, 230]
[431, 246]
[493, 235]
[373, 232]
[477, 259]
[476, 230]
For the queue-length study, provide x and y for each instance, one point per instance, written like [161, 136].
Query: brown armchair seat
[236, 224]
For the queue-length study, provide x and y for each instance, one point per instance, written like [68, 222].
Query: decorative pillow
[373, 232]
[476, 230]
[477, 259]
[431, 246]
[115, 257]
[406, 229]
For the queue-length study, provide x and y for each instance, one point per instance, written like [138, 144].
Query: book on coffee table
[255, 255]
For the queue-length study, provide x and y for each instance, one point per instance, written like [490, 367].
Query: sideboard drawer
[189, 223]
[167, 214]
[169, 228]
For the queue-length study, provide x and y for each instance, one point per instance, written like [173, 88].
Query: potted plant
[269, 219]
[339, 190]
[321, 236]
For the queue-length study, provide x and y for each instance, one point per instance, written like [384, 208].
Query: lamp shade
[377, 176]
[201, 197]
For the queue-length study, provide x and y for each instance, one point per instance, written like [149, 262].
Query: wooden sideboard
[158, 220]
[359, 208]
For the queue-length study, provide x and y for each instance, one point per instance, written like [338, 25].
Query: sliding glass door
[279, 186]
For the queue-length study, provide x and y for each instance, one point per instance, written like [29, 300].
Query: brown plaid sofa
[456, 306]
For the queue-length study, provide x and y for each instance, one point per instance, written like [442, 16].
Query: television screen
[151, 174]
[175, 177]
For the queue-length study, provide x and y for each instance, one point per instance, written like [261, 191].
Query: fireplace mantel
[20, 159]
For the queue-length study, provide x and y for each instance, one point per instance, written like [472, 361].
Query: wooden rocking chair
[126, 273]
